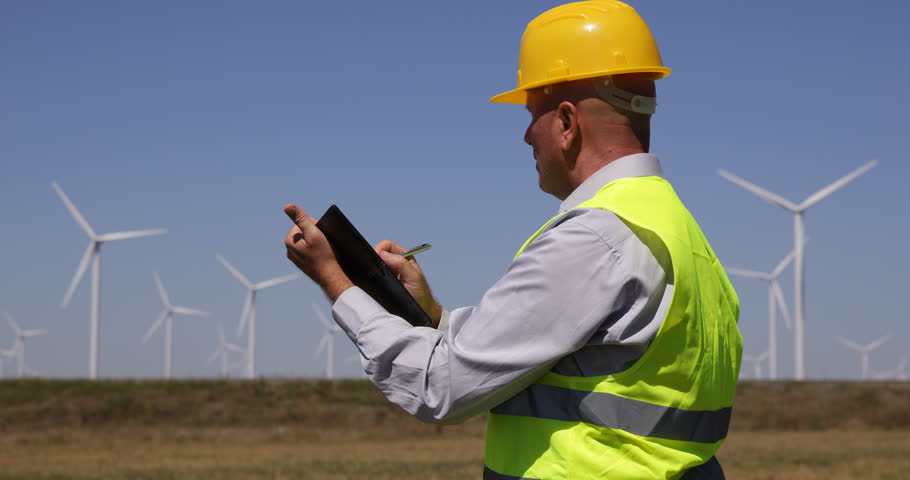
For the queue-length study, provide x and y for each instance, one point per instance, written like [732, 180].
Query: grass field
[319, 430]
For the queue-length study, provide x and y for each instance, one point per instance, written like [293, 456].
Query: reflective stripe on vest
[611, 411]
[667, 412]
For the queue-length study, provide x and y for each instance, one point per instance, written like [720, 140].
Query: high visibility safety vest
[670, 410]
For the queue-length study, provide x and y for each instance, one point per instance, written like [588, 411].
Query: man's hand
[309, 249]
[411, 276]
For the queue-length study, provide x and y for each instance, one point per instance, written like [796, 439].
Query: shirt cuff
[353, 308]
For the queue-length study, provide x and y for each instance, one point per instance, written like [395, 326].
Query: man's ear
[567, 116]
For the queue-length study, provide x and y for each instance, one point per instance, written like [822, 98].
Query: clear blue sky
[207, 117]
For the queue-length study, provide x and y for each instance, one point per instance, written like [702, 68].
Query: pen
[416, 250]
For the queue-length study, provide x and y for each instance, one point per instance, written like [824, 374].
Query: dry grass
[832, 455]
[234, 453]
[316, 430]
[145, 453]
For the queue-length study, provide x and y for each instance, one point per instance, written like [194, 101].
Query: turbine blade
[247, 307]
[12, 323]
[782, 303]
[821, 194]
[34, 333]
[155, 326]
[190, 311]
[850, 344]
[161, 291]
[235, 272]
[73, 211]
[762, 357]
[748, 273]
[878, 343]
[761, 192]
[321, 316]
[277, 281]
[80, 271]
[783, 264]
[232, 347]
[110, 237]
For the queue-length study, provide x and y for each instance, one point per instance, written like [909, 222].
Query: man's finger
[296, 214]
[394, 260]
[294, 235]
[388, 246]
[306, 223]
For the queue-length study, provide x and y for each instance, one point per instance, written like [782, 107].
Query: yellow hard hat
[583, 40]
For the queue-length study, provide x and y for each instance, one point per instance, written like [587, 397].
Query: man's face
[542, 135]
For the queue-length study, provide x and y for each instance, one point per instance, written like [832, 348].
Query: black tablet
[364, 267]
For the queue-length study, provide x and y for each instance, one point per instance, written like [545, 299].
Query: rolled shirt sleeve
[586, 282]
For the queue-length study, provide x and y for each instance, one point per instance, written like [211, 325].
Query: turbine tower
[798, 247]
[327, 343]
[900, 373]
[223, 350]
[167, 318]
[248, 315]
[93, 255]
[775, 299]
[864, 351]
[19, 344]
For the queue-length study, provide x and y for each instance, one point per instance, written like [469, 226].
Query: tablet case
[364, 267]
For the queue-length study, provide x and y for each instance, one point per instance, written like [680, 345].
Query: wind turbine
[93, 255]
[4, 353]
[864, 351]
[756, 363]
[167, 318]
[775, 299]
[899, 373]
[327, 343]
[248, 316]
[19, 345]
[798, 247]
[223, 350]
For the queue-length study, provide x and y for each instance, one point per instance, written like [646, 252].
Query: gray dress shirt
[586, 285]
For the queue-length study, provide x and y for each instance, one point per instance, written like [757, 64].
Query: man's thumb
[296, 214]
[393, 260]
[400, 266]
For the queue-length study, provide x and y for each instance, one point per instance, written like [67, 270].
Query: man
[609, 349]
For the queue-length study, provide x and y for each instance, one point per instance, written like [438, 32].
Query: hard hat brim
[520, 95]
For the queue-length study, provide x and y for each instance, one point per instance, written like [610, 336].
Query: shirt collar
[636, 165]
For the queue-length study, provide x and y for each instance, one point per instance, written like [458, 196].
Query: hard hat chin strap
[624, 99]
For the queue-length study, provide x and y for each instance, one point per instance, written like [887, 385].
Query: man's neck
[640, 165]
[589, 164]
